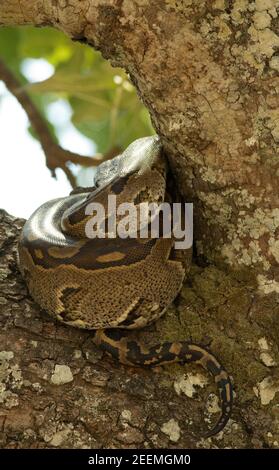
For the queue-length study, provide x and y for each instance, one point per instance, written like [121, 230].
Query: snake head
[142, 154]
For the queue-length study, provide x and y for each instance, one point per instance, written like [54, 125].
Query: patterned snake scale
[112, 284]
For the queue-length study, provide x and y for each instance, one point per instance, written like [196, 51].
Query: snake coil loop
[112, 284]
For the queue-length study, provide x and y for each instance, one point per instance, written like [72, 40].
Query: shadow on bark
[57, 389]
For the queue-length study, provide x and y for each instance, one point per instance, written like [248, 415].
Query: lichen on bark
[208, 73]
[58, 390]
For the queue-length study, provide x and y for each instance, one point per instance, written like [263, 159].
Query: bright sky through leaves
[89, 106]
[25, 182]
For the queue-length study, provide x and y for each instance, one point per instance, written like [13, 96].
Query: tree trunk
[57, 390]
[208, 73]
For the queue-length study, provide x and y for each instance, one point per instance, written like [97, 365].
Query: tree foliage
[105, 106]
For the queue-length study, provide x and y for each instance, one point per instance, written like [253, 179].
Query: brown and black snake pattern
[112, 284]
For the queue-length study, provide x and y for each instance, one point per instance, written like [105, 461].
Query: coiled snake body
[111, 284]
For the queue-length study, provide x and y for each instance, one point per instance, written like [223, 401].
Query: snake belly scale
[110, 285]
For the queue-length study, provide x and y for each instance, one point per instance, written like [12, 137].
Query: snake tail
[117, 345]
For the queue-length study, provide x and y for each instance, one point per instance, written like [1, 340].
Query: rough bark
[57, 390]
[208, 73]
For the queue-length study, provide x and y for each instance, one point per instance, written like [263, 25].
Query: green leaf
[105, 104]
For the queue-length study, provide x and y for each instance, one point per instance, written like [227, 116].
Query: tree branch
[56, 156]
[213, 99]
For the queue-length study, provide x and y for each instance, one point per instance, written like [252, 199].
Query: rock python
[108, 284]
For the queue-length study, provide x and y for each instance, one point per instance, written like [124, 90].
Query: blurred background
[88, 107]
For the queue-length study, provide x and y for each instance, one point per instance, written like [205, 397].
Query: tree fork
[208, 73]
